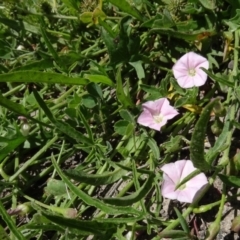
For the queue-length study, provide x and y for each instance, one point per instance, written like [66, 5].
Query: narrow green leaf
[195, 35]
[86, 125]
[43, 106]
[135, 197]
[9, 145]
[96, 179]
[38, 65]
[198, 138]
[99, 79]
[219, 144]
[12, 106]
[93, 202]
[218, 79]
[182, 221]
[125, 6]
[87, 226]
[12, 227]
[173, 234]
[123, 98]
[3, 234]
[232, 181]
[71, 132]
[41, 77]
[154, 147]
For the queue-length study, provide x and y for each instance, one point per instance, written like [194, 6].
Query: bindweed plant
[119, 119]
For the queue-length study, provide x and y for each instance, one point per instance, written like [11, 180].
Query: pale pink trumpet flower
[187, 70]
[156, 113]
[174, 173]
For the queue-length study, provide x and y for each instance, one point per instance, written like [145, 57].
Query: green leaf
[38, 65]
[195, 35]
[99, 79]
[198, 138]
[139, 69]
[71, 132]
[55, 187]
[80, 226]
[208, 4]
[232, 181]
[123, 98]
[91, 201]
[9, 145]
[219, 144]
[41, 77]
[218, 79]
[12, 106]
[125, 6]
[154, 147]
[96, 179]
[126, 115]
[12, 227]
[120, 127]
[43, 106]
[89, 101]
[182, 221]
[3, 234]
[123, 47]
[173, 234]
[135, 197]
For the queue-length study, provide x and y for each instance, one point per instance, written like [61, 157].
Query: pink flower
[156, 113]
[187, 70]
[174, 173]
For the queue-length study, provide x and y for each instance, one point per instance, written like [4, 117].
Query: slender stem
[32, 159]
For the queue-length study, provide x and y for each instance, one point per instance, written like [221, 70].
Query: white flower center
[158, 118]
[192, 72]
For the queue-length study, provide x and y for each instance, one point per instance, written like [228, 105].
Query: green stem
[32, 159]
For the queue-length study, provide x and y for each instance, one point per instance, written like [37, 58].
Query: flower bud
[25, 128]
[236, 224]
[219, 109]
[21, 209]
[213, 230]
[236, 160]
[217, 127]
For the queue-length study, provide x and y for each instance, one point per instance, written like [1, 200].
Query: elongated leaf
[218, 79]
[71, 132]
[99, 79]
[173, 234]
[3, 234]
[182, 221]
[38, 65]
[10, 145]
[86, 226]
[232, 181]
[43, 106]
[93, 202]
[198, 138]
[135, 197]
[96, 179]
[219, 144]
[124, 6]
[41, 77]
[196, 35]
[12, 106]
[7, 219]
[123, 98]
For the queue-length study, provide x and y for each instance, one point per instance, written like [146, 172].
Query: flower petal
[168, 111]
[145, 118]
[168, 187]
[154, 106]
